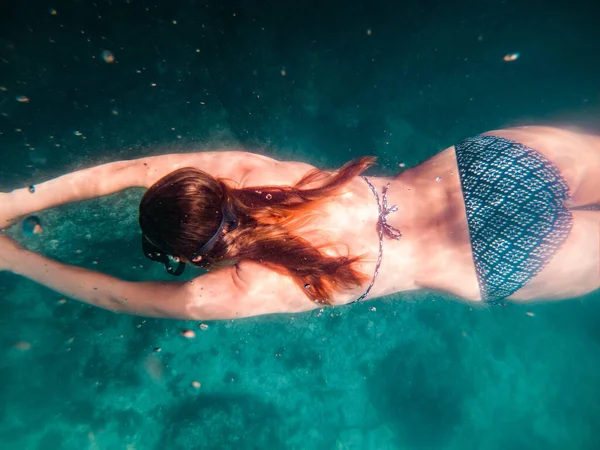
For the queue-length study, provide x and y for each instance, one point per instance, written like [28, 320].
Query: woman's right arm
[109, 178]
[80, 185]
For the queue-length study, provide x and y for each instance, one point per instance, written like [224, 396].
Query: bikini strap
[383, 228]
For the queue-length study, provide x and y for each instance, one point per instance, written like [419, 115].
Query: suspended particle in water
[52, 12]
[511, 57]
[32, 226]
[77, 133]
[188, 334]
[268, 196]
[369, 32]
[530, 314]
[23, 346]
[108, 56]
[22, 99]
[203, 326]
[3, 88]
[158, 349]
[283, 73]
[31, 189]
[154, 367]
[196, 384]
[438, 179]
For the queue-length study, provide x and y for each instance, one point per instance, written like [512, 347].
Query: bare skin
[434, 252]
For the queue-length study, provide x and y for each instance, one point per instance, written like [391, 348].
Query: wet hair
[208, 222]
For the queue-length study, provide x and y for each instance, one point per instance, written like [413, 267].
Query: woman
[508, 214]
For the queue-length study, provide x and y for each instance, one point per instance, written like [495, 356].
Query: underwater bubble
[32, 226]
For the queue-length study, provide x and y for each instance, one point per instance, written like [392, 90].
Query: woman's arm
[228, 293]
[80, 185]
[109, 178]
[169, 300]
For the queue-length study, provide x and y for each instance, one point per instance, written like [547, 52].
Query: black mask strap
[153, 253]
[228, 219]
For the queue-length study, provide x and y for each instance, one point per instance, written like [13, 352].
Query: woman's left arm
[233, 292]
[169, 300]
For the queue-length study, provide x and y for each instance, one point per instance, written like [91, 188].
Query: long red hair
[183, 210]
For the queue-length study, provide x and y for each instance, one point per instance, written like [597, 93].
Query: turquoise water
[294, 80]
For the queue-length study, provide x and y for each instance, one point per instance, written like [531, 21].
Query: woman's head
[184, 213]
[197, 218]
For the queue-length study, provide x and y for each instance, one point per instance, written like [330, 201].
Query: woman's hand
[9, 253]
[9, 213]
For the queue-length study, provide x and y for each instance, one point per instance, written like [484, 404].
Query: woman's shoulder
[275, 172]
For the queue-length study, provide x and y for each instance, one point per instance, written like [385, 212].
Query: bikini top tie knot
[384, 228]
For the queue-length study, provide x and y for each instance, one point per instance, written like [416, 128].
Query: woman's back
[434, 250]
